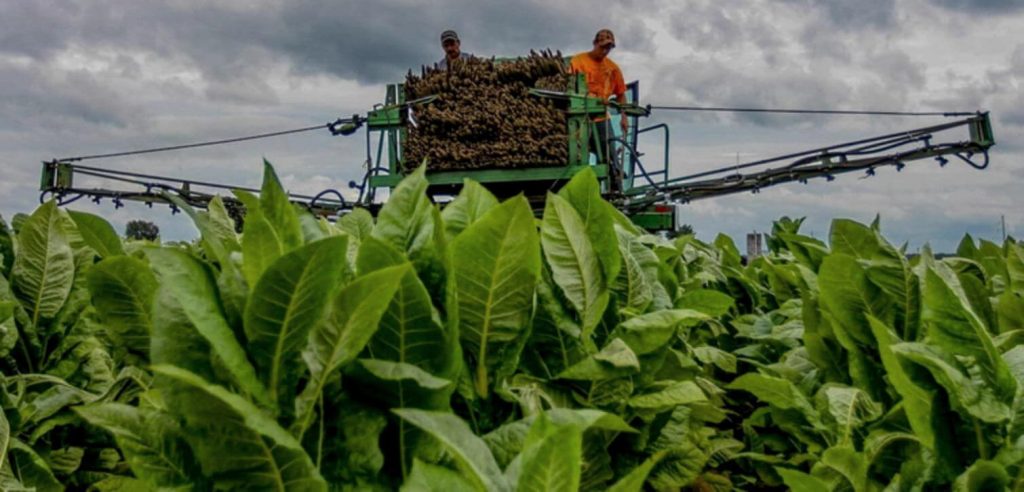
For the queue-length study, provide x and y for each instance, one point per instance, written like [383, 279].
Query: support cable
[197, 144]
[812, 111]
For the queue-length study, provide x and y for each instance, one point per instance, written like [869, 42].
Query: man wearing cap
[604, 80]
[452, 49]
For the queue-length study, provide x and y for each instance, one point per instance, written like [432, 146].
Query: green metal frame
[580, 109]
[653, 220]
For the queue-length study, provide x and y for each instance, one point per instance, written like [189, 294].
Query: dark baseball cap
[449, 35]
[609, 33]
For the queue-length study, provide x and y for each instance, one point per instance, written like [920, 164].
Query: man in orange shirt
[604, 79]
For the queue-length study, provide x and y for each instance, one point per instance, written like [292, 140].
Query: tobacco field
[481, 348]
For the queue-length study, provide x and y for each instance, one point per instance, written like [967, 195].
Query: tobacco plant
[485, 346]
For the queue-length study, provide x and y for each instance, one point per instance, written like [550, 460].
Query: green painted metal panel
[654, 221]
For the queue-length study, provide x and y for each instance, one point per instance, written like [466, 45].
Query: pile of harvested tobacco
[484, 116]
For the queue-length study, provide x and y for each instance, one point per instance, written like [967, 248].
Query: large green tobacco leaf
[679, 393]
[982, 476]
[410, 330]
[583, 192]
[1015, 360]
[507, 441]
[358, 224]
[969, 395]
[432, 478]
[779, 393]
[649, 332]
[468, 451]
[635, 479]
[413, 225]
[212, 241]
[885, 266]
[44, 269]
[637, 282]
[1010, 311]
[98, 234]
[575, 266]
[236, 443]
[290, 299]
[848, 408]
[192, 286]
[8, 328]
[951, 324]
[123, 289]
[850, 297]
[551, 459]
[496, 263]
[151, 442]
[354, 318]
[919, 401]
[847, 463]
[798, 481]
[222, 225]
[472, 203]
[278, 210]
[34, 472]
[808, 251]
[405, 220]
[261, 246]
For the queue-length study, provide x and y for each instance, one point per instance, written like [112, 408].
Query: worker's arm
[620, 97]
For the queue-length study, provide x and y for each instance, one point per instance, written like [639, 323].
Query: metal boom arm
[862, 155]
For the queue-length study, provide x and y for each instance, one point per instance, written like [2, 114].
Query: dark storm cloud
[852, 15]
[370, 42]
[708, 26]
[981, 6]
[34, 99]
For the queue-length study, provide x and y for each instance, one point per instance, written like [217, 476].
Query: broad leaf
[98, 234]
[574, 262]
[969, 395]
[848, 463]
[123, 289]
[353, 319]
[495, 270]
[432, 478]
[635, 479]
[237, 444]
[982, 476]
[919, 402]
[151, 442]
[798, 481]
[278, 210]
[649, 332]
[779, 393]
[413, 225]
[410, 330]
[849, 408]
[468, 451]
[44, 269]
[553, 462]
[951, 324]
[261, 246]
[192, 285]
[291, 299]
[679, 393]
[469, 206]
[583, 192]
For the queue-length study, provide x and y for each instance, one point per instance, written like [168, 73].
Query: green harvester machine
[652, 198]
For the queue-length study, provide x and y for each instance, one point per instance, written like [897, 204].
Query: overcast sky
[85, 77]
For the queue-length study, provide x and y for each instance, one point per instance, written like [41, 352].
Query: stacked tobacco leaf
[484, 116]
